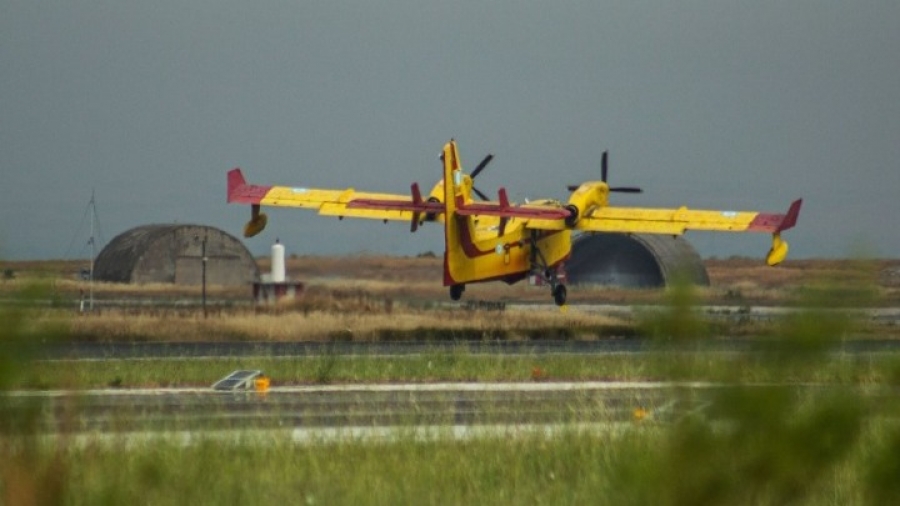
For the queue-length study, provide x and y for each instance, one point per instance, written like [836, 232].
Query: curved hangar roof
[633, 260]
[174, 254]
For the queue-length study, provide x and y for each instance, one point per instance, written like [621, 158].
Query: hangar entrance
[633, 261]
[189, 269]
[174, 254]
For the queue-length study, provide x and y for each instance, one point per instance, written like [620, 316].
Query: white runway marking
[386, 387]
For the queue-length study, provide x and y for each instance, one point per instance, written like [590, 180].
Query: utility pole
[203, 274]
[91, 279]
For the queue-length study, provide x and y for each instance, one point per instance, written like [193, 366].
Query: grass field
[764, 445]
[381, 298]
[733, 281]
[687, 464]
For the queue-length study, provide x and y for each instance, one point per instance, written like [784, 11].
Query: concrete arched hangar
[174, 254]
[633, 260]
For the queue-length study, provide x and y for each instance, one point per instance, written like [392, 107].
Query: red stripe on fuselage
[465, 239]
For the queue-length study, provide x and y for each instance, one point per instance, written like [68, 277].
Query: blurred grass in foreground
[776, 441]
[768, 439]
[30, 473]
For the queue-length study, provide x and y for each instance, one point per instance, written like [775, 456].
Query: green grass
[429, 367]
[762, 441]
[817, 459]
[571, 468]
[461, 366]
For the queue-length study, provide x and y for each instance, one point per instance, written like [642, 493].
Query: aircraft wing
[678, 221]
[675, 221]
[342, 203]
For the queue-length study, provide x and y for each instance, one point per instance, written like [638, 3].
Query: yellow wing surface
[341, 203]
[678, 221]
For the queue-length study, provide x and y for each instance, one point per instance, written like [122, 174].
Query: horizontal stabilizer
[396, 205]
[417, 206]
[505, 210]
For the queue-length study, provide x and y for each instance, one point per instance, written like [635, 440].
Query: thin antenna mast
[93, 206]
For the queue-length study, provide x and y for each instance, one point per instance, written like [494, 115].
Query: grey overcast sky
[717, 104]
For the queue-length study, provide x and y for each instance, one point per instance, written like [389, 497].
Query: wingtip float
[242, 193]
[779, 249]
[490, 240]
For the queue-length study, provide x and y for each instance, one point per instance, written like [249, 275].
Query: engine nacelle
[585, 199]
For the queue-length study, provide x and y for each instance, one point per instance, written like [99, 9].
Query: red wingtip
[790, 219]
[235, 181]
[241, 192]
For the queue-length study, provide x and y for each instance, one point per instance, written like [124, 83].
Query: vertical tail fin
[460, 249]
[452, 190]
[453, 176]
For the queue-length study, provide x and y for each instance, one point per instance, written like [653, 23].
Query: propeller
[604, 174]
[604, 166]
[477, 171]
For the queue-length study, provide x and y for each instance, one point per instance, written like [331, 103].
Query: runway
[327, 414]
[343, 407]
[311, 412]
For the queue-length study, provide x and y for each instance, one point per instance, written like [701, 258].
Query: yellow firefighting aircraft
[499, 240]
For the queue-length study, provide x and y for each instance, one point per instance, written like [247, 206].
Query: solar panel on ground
[237, 380]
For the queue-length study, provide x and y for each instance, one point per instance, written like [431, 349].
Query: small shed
[634, 260]
[175, 254]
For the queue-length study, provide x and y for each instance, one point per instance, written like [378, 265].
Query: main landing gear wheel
[456, 291]
[559, 295]
[540, 267]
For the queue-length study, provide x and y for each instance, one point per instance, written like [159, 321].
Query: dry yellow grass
[319, 325]
[370, 298]
[420, 278]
